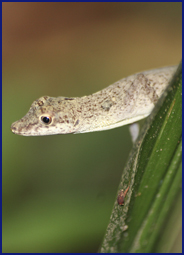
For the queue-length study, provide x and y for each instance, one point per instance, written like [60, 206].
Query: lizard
[124, 102]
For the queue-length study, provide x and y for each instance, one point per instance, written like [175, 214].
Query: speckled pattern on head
[124, 102]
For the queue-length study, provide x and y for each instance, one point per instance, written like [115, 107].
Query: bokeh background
[58, 191]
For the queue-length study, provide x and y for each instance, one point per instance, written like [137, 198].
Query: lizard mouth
[19, 129]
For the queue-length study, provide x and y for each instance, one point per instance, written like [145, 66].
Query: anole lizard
[124, 102]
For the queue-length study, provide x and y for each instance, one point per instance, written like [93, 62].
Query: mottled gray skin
[121, 103]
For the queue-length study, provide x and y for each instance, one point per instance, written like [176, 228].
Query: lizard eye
[46, 119]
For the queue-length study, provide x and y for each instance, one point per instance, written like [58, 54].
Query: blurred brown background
[58, 191]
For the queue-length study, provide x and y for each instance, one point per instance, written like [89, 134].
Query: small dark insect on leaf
[121, 196]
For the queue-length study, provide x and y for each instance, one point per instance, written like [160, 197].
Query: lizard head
[47, 116]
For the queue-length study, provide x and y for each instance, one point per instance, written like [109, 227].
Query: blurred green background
[58, 191]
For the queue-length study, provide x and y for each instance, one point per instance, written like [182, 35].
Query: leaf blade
[147, 173]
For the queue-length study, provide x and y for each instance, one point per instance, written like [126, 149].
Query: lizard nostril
[13, 128]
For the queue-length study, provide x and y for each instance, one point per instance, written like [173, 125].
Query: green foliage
[148, 221]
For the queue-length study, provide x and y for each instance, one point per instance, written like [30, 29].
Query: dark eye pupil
[46, 120]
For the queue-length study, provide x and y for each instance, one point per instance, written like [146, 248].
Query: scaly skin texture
[121, 103]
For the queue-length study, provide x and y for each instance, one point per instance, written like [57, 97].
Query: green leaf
[154, 176]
